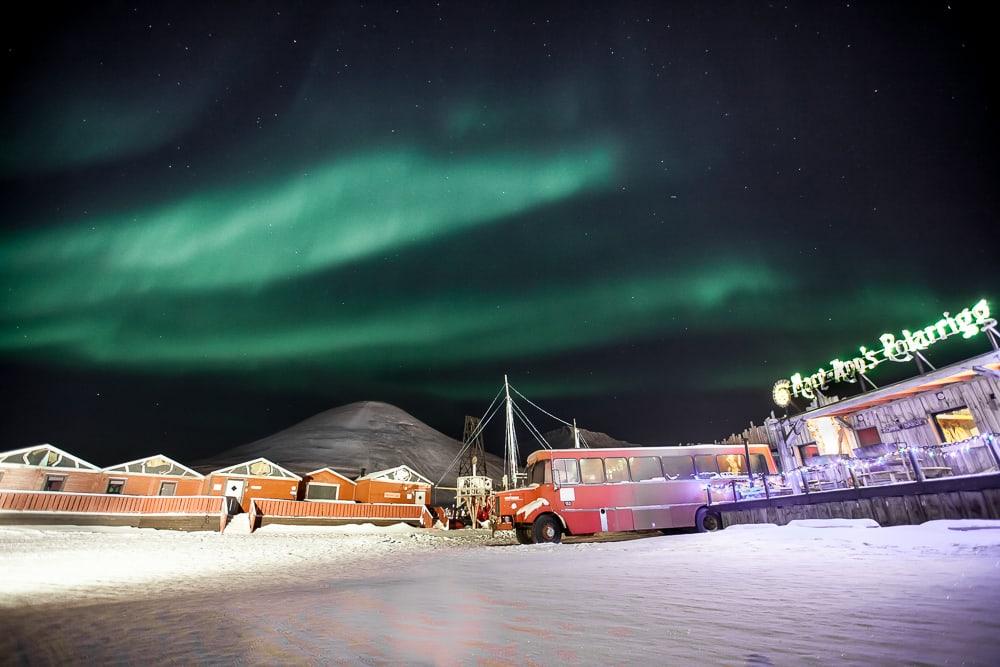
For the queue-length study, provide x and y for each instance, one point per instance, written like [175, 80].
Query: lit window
[645, 467]
[956, 425]
[592, 471]
[732, 464]
[616, 469]
[565, 471]
[678, 467]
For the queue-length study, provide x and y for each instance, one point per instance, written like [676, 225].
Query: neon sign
[903, 347]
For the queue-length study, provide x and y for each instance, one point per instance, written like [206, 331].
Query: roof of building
[45, 456]
[963, 371]
[259, 467]
[332, 472]
[158, 465]
[403, 473]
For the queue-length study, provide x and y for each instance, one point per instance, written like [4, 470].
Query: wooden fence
[265, 511]
[57, 507]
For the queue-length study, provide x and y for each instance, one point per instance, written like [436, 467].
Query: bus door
[615, 519]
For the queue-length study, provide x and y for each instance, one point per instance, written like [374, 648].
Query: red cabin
[401, 484]
[48, 468]
[155, 475]
[328, 485]
[258, 478]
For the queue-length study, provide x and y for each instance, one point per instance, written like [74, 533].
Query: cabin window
[54, 483]
[706, 464]
[645, 467]
[678, 467]
[732, 464]
[868, 436]
[318, 491]
[956, 425]
[758, 464]
[616, 469]
[592, 471]
[565, 471]
[116, 486]
[168, 488]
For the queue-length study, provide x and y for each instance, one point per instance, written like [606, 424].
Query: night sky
[219, 220]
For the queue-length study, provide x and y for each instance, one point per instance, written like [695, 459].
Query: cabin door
[419, 497]
[234, 489]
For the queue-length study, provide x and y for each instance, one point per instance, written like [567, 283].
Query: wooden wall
[256, 487]
[32, 479]
[380, 491]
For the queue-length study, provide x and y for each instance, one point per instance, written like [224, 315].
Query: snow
[809, 593]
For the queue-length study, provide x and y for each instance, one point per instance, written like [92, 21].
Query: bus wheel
[523, 534]
[546, 529]
[707, 521]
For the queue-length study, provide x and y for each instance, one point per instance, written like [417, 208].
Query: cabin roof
[264, 468]
[403, 473]
[332, 471]
[50, 457]
[142, 467]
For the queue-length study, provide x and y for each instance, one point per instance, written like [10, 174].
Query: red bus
[587, 491]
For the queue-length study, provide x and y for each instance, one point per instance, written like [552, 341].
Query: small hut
[401, 484]
[155, 475]
[258, 478]
[47, 468]
[328, 485]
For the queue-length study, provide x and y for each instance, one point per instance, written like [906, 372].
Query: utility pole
[576, 435]
[476, 449]
[510, 440]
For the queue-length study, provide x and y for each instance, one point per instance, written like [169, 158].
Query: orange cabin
[153, 476]
[258, 478]
[48, 468]
[401, 484]
[327, 485]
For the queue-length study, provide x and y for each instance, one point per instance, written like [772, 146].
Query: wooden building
[327, 485]
[48, 468]
[401, 484]
[155, 475]
[258, 478]
[954, 404]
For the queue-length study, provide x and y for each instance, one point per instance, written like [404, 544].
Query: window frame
[121, 481]
[54, 478]
[600, 461]
[659, 466]
[624, 459]
[940, 429]
[680, 457]
[715, 462]
[322, 500]
[576, 467]
[164, 484]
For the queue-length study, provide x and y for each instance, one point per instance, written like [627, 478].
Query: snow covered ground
[812, 593]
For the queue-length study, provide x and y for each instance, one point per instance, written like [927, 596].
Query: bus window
[678, 467]
[645, 467]
[592, 471]
[705, 464]
[565, 471]
[732, 464]
[758, 462]
[536, 473]
[616, 469]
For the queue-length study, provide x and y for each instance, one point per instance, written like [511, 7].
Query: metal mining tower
[473, 487]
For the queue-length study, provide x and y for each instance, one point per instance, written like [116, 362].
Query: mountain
[365, 436]
[562, 438]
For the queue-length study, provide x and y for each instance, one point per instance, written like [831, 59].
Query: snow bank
[833, 523]
[785, 595]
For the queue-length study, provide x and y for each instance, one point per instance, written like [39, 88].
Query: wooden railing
[59, 502]
[349, 512]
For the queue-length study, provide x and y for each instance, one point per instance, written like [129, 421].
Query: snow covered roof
[332, 472]
[45, 456]
[403, 473]
[259, 467]
[158, 464]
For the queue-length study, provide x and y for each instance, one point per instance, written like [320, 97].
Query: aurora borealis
[219, 221]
